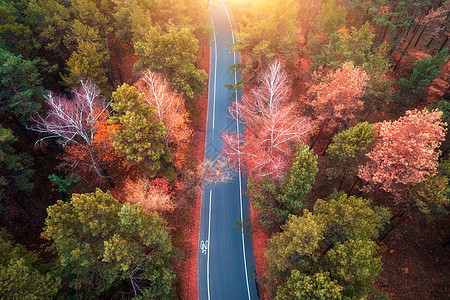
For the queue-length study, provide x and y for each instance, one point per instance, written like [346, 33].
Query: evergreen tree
[172, 51]
[16, 173]
[19, 278]
[268, 31]
[425, 71]
[140, 138]
[327, 251]
[21, 92]
[319, 286]
[348, 149]
[100, 242]
[275, 198]
[87, 62]
[430, 196]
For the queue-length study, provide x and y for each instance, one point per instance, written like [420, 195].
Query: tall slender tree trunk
[420, 35]
[317, 136]
[353, 185]
[443, 44]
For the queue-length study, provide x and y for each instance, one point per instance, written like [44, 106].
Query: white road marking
[239, 159]
[204, 246]
[209, 234]
[215, 78]
[210, 192]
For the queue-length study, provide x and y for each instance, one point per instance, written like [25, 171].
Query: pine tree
[100, 242]
[140, 137]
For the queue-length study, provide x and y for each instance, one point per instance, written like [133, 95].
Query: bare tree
[171, 111]
[76, 120]
[272, 125]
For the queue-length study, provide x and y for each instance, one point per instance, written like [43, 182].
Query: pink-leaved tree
[405, 152]
[336, 96]
[273, 127]
[171, 112]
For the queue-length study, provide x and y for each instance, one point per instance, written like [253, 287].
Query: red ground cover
[187, 230]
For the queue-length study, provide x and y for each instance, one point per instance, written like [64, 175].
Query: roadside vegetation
[346, 145]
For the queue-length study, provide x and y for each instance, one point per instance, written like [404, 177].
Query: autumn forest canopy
[102, 118]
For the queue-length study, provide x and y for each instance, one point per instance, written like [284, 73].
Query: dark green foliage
[140, 138]
[172, 51]
[319, 286]
[15, 32]
[62, 183]
[275, 199]
[444, 106]
[19, 279]
[348, 149]
[425, 71]
[15, 172]
[431, 196]
[87, 62]
[350, 218]
[300, 178]
[101, 242]
[21, 92]
[331, 248]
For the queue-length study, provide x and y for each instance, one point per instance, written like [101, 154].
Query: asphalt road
[226, 268]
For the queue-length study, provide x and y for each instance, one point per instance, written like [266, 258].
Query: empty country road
[226, 267]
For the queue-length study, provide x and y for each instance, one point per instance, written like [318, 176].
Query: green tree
[140, 136]
[336, 238]
[275, 199]
[16, 173]
[354, 46]
[350, 218]
[299, 179]
[319, 286]
[268, 30]
[348, 149]
[21, 92]
[424, 72]
[16, 35]
[430, 196]
[100, 242]
[296, 245]
[87, 62]
[19, 278]
[172, 51]
[52, 21]
[354, 264]
[331, 17]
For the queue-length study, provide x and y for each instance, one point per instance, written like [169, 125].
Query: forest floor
[415, 261]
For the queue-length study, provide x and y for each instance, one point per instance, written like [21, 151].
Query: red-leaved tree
[273, 127]
[405, 152]
[171, 111]
[337, 96]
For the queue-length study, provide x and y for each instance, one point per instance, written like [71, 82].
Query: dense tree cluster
[93, 96]
[344, 104]
[347, 69]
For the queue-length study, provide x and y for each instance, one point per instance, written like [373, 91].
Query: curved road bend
[226, 267]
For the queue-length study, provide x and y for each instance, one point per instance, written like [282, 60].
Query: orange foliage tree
[405, 153]
[272, 126]
[152, 195]
[337, 96]
[171, 112]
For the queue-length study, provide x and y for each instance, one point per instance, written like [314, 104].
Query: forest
[345, 148]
